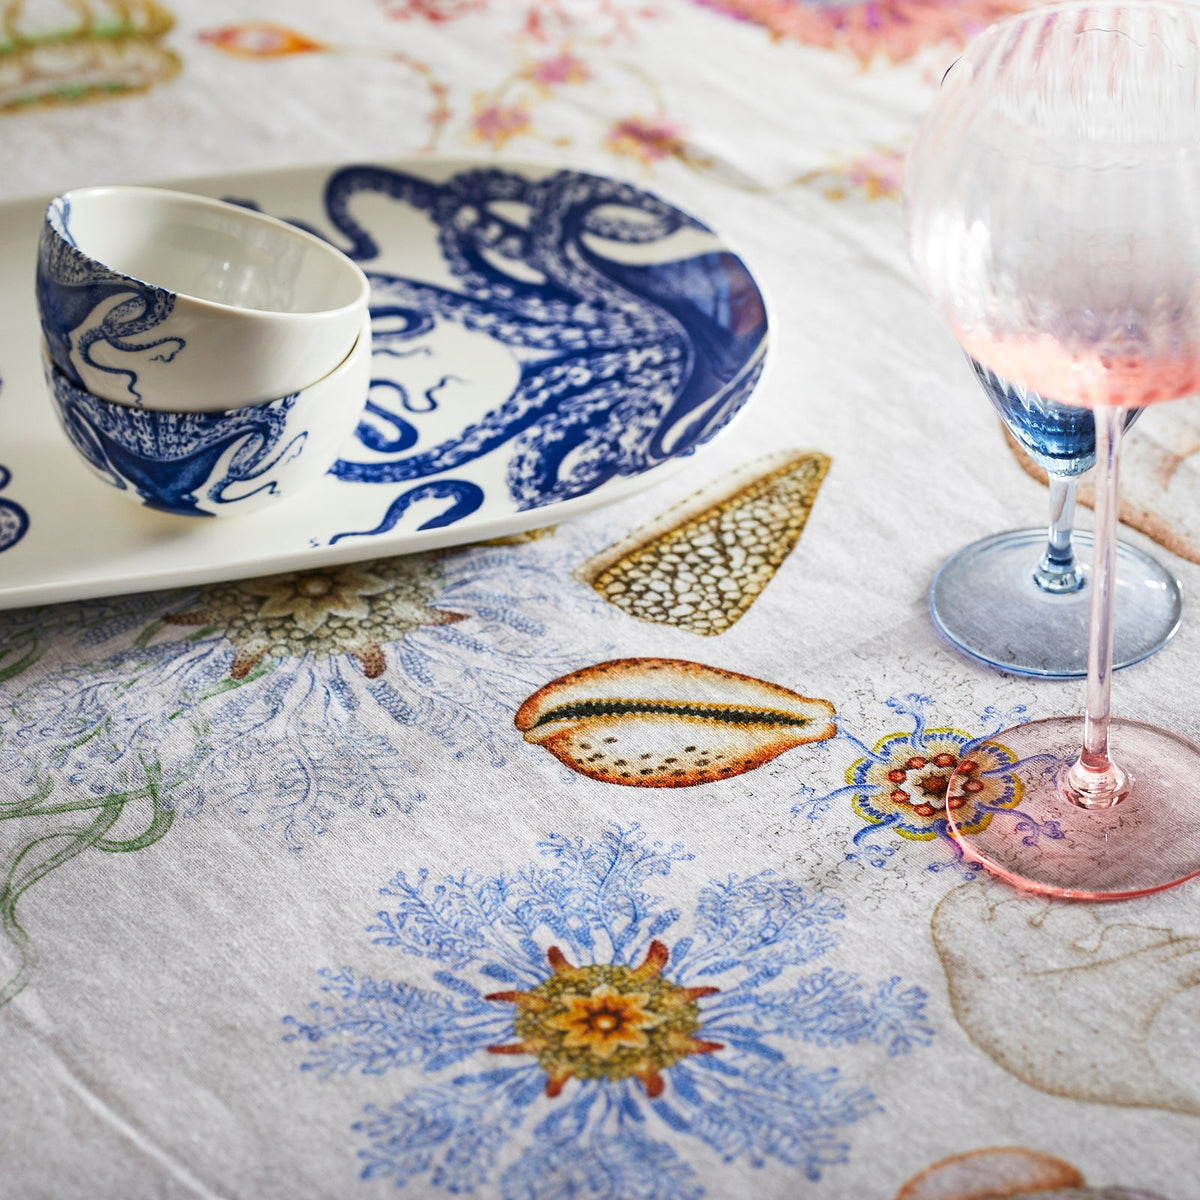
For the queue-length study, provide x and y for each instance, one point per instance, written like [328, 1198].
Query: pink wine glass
[1054, 219]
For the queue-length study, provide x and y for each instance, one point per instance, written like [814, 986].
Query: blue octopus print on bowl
[587, 326]
[575, 1043]
[214, 463]
[163, 299]
[83, 306]
[184, 463]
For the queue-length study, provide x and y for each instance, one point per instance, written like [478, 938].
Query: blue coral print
[292, 701]
[575, 1044]
[283, 669]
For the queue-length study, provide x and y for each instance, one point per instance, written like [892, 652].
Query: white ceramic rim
[251, 216]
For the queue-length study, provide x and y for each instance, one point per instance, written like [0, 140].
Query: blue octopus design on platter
[600, 331]
[606, 1034]
[14, 520]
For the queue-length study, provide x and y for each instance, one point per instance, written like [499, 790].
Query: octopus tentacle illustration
[649, 355]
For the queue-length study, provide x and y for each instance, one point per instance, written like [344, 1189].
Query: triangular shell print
[664, 722]
[702, 563]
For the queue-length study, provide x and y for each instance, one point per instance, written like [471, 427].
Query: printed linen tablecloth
[480, 870]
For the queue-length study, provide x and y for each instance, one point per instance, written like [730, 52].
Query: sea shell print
[1101, 1000]
[997, 1171]
[706, 560]
[1008, 1173]
[665, 722]
[87, 49]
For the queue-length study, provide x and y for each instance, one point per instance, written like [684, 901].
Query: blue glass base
[985, 600]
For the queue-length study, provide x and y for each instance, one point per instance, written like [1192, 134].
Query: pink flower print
[878, 174]
[875, 175]
[494, 124]
[561, 68]
[436, 11]
[648, 139]
[892, 29]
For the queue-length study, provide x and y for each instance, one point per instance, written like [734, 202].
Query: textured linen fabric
[279, 871]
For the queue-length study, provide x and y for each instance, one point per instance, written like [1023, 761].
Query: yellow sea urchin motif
[607, 1021]
[65, 52]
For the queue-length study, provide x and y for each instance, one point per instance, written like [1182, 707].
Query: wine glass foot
[985, 600]
[1009, 807]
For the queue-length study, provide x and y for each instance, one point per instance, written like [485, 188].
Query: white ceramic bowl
[169, 301]
[216, 463]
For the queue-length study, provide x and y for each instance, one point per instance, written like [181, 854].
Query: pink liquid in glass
[1093, 376]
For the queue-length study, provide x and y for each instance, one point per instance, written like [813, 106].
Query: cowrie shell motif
[664, 722]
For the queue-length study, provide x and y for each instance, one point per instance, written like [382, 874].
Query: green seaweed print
[58, 831]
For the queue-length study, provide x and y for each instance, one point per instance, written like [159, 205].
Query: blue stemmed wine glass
[1020, 600]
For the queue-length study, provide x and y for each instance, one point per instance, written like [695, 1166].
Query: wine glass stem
[1094, 780]
[1058, 572]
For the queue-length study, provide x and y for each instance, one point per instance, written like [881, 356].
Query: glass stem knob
[1058, 572]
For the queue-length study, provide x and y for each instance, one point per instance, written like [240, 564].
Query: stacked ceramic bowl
[204, 358]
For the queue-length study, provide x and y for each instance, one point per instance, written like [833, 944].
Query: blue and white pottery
[149, 297]
[215, 464]
[544, 341]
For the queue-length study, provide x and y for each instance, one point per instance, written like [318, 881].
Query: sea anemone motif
[333, 610]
